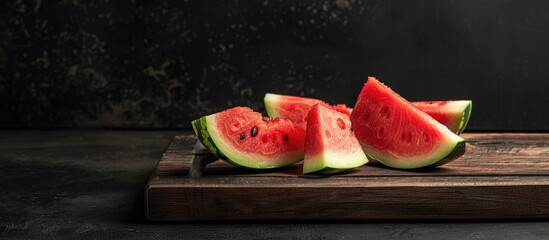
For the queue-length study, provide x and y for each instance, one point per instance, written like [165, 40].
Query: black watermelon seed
[254, 131]
[286, 137]
[351, 129]
[242, 136]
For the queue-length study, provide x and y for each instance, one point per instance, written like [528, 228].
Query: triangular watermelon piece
[245, 138]
[330, 144]
[397, 134]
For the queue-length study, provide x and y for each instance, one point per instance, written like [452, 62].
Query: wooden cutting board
[501, 176]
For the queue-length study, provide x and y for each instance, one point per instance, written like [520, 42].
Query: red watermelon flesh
[453, 114]
[296, 108]
[330, 144]
[245, 138]
[397, 134]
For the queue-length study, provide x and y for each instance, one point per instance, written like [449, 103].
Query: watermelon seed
[286, 137]
[425, 137]
[380, 132]
[340, 123]
[254, 131]
[384, 109]
[242, 136]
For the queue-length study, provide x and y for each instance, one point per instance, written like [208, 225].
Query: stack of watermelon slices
[333, 138]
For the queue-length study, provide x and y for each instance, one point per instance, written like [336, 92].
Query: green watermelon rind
[270, 100]
[215, 146]
[320, 164]
[465, 117]
[201, 131]
[330, 171]
[452, 152]
[458, 151]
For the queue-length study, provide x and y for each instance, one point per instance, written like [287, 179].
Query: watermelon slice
[244, 138]
[453, 114]
[394, 132]
[296, 108]
[330, 145]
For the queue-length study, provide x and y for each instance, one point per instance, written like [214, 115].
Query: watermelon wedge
[244, 138]
[453, 114]
[296, 108]
[330, 144]
[394, 132]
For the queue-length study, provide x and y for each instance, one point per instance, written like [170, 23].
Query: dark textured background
[162, 63]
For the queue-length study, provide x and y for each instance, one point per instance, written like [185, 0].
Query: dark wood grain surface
[501, 176]
[89, 185]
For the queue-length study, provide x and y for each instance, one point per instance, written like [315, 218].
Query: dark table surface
[89, 184]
